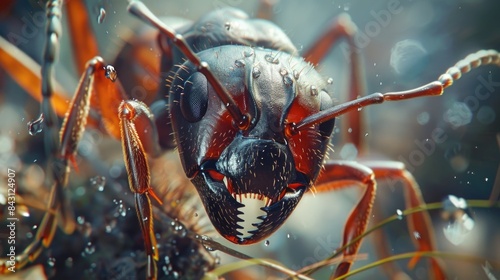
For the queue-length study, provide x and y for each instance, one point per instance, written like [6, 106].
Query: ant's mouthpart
[251, 217]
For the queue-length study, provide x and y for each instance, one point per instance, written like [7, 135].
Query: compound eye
[194, 98]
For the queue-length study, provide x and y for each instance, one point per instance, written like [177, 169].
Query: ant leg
[343, 27]
[132, 114]
[82, 38]
[61, 147]
[341, 174]
[418, 223]
[26, 73]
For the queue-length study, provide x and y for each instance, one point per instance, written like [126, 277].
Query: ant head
[236, 168]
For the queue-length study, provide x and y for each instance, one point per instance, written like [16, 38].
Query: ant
[250, 118]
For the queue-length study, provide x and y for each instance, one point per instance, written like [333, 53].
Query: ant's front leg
[340, 174]
[135, 117]
[61, 145]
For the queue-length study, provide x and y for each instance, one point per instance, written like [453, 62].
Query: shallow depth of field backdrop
[402, 48]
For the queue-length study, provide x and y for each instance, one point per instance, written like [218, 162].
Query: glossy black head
[261, 165]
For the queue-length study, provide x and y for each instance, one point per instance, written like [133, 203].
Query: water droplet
[349, 130]
[227, 25]
[248, 53]
[283, 72]
[458, 115]
[349, 152]
[288, 235]
[80, 220]
[98, 182]
[110, 226]
[400, 214]
[69, 262]
[51, 262]
[255, 72]
[266, 243]
[111, 73]
[239, 63]
[458, 157]
[459, 218]
[287, 80]
[416, 234]
[296, 74]
[101, 16]
[271, 59]
[486, 115]
[122, 211]
[23, 210]
[314, 91]
[36, 126]
[329, 81]
[90, 248]
[486, 179]
[407, 57]
[423, 118]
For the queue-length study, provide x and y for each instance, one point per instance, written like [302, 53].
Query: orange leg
[134, 113]
[343, 28]
[61, 146]
[26, 72]
[83, 41]
[337, 175]
[418, 223]
[85, 48]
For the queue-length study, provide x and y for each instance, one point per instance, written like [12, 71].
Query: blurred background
[404, 44]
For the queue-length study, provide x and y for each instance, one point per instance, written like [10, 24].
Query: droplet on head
[239, 63]
[248, 53]
[255, 72]
[287, 80]
[272, 59]
[314, 91]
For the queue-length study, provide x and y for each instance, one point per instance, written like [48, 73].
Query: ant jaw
[247, 218]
